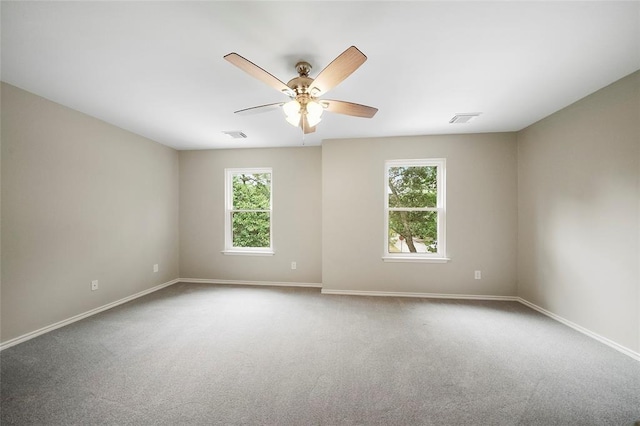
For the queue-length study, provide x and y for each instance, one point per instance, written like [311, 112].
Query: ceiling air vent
[235, 134]
[464, 118]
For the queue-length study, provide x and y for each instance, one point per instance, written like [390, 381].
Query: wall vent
[235, 134]
[464, 118]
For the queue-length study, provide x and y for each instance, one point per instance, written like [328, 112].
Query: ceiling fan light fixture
[292, 112]
[314, 109]
[293, 119]
[313, 120]
[291, 108]
[314, 112]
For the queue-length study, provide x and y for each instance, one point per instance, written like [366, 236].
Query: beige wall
[296, 218]
[579, 217]
[81, 200]
[481, 215]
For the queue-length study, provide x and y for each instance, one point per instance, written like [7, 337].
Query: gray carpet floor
[206, 354]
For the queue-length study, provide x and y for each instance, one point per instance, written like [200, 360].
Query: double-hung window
[248, 212]
[415, 210]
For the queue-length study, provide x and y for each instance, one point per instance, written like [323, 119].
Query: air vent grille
[235, 134]
[464, 118]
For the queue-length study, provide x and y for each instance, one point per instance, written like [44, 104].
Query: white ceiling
[156, 68]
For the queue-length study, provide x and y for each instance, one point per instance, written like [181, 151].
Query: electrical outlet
[155, 268]
[478, 275]
[94, 285]
[293, 265]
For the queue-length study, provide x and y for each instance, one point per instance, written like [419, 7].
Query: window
[415, 210]
[248, 212]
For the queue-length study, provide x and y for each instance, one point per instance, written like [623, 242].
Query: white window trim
[228, 210]
[440, 256]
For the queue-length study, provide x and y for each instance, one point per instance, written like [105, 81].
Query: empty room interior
[434, 218]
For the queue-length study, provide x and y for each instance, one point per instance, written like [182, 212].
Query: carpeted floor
[205, 354]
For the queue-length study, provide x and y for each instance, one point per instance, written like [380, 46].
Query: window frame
[229, 249]
[440, 256]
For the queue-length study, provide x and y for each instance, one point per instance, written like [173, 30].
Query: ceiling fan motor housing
[300, 85]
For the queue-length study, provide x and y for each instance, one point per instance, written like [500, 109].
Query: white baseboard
[243, 282]
[610, 343]
[75, 318]
[419, 295]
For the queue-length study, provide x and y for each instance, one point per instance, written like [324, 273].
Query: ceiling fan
[305, 108]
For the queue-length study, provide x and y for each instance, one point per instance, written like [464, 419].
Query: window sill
[247, 253]
[411, 259]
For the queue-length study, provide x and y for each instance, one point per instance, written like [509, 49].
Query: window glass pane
[251, 229]
[414, 186]
[413, 232]
[251, 191]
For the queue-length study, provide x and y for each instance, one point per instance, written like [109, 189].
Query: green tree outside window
[251, 210]
[413, 209]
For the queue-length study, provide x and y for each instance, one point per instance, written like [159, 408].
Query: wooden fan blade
[259, 109]
[348, 108]
[305, 126]
[259, 73]
[341, 68]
